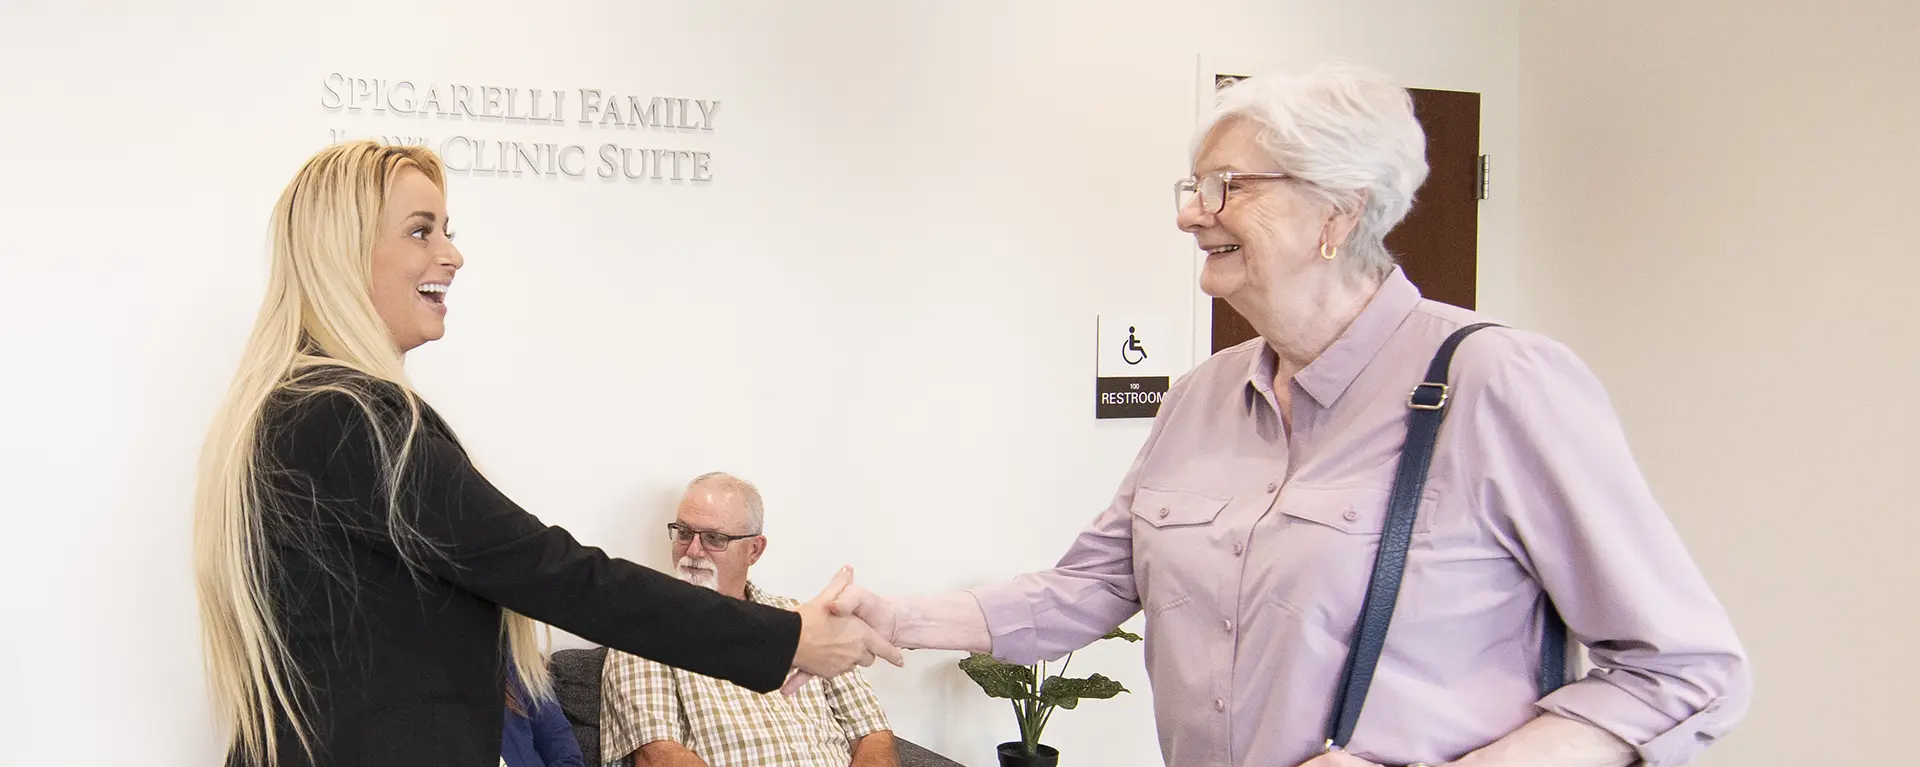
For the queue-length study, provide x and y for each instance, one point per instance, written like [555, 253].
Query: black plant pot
[1015, 755]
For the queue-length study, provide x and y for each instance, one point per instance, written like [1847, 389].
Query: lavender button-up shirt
[1250, 544]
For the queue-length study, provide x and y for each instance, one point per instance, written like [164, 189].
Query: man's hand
[666, 753]
[832, 644]
[876, 749]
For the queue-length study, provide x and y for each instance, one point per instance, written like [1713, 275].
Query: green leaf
[1067, 693]
[998, 678]
[1119, 633]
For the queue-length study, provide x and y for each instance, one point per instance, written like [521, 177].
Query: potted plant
[1035, 694]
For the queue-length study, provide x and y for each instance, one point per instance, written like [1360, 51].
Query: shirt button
[1219, 704]
[1163, 513]
[1273, 486]
[1237, 548]
[1351, 515]
[1228, 625]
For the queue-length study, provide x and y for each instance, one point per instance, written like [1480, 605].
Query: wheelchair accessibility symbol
[1132, 351]
[1128, 384]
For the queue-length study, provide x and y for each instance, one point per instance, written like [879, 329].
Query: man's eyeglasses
[710, 540]
[1212, 188]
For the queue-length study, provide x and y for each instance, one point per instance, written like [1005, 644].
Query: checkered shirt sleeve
[855, 707]
[639, 704]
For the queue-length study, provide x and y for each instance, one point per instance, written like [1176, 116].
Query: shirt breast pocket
[1173, 533]
[1324, 554]
[1356, 511]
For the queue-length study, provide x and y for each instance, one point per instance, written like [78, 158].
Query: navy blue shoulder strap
[1427, 406]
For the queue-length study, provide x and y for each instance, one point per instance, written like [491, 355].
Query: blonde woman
[355, 573]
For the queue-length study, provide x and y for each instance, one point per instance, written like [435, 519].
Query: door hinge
[1482, 177]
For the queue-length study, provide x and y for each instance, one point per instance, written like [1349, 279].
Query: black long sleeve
[491, 547]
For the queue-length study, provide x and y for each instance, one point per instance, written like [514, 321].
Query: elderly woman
[1248, 526]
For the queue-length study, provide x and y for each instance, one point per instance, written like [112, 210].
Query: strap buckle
[1438, 398]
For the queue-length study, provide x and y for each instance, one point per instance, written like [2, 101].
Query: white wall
[1717, 211]
[882, 311]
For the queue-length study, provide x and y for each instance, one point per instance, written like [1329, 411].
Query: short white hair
[1342, 130]
[749, 495]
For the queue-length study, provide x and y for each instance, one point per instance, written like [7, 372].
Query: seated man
[658, 716]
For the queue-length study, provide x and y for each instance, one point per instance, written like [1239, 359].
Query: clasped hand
[833, 639]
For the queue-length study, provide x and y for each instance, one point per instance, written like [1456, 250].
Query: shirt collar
[1327, 377]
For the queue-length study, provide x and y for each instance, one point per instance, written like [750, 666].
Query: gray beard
[688, 571]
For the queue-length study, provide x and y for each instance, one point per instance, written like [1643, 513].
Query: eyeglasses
[710, 540]
[1212, 189]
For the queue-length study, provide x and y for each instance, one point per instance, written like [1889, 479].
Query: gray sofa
[576, 680]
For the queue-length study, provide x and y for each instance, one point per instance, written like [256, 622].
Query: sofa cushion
[576, 681]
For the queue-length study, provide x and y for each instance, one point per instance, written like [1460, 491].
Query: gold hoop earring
[1329, 251]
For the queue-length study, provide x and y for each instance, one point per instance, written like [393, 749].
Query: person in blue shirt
[536, 733]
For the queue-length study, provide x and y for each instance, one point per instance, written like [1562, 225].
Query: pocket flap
[1170, 508]
[1352, 510]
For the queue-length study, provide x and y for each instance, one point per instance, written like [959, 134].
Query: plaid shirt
[727, 725]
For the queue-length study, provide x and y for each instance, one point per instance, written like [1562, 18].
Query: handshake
[843, 627]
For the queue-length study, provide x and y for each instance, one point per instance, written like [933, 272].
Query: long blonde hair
[317, 331]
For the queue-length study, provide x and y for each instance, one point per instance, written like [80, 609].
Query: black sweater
[409, 668]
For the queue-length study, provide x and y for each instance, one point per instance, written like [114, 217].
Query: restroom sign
[1135, 366]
